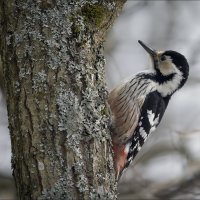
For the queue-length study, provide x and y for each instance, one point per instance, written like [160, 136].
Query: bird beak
[151, 51]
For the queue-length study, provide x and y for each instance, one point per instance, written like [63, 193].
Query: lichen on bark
[94, 14]
[58, 117]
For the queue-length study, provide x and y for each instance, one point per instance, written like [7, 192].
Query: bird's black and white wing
[126, 102]
[152, 112]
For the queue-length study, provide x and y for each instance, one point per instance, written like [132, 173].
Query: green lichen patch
[94, 14]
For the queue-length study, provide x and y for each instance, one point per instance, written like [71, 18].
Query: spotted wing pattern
[151, 114]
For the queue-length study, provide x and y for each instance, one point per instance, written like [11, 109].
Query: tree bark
[53, 64]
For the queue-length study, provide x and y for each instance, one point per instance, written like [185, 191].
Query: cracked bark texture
[53, 63]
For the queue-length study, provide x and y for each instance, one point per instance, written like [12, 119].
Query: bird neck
[167, 85]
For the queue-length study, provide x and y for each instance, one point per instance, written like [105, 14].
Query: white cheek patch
[167, 67]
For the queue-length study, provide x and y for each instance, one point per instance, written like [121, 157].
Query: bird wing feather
[125, 105]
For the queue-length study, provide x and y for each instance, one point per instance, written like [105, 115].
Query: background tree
[54, 77]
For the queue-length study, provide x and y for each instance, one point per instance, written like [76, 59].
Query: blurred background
[171, 156]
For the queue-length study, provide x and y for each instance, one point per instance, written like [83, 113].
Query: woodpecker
[138, 104]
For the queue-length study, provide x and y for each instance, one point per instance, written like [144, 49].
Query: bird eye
[162, 58]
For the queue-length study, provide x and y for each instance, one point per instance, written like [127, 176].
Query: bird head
[168, 65]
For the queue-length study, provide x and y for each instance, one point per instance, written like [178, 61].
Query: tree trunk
[54, 77]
